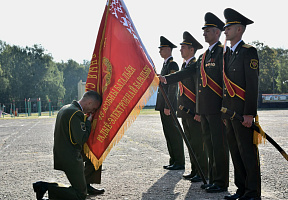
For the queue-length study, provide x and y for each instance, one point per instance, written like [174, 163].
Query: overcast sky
[68, 28]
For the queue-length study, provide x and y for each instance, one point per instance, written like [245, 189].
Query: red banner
[122, 72]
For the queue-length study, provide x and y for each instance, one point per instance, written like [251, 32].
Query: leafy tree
[73, 73]
[268, 68]
[4, 82]
[47, 81]
[282, 79]
[29, 73]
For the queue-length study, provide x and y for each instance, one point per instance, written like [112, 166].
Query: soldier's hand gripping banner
[123, 74]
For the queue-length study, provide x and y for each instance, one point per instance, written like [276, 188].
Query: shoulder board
[192, 61]
[171, 61]
[247, 46]
[221, 45]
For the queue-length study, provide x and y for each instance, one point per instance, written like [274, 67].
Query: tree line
[31, 73]
[273, 63]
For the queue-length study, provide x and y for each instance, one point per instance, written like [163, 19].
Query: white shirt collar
[211, 47]
[235, 46]
[187, 61]
[80, 105]
[167, 59]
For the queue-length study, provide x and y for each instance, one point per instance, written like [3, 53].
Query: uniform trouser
[78, 177]
[77, 190]
[245, 159]
[91, 175]
[193, 133]
[174, 140]
[215, 141]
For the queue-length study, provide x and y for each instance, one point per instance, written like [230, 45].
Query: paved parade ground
[133, 169]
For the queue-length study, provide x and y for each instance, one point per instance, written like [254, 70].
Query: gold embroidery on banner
[108, 72]
[105, 42]
[128, 97]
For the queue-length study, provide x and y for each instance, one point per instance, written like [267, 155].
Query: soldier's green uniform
[192, 128]
[243, 70]
[71, 132]
[173, 137]
[208, 105]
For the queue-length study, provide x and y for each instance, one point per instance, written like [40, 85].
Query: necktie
[206, 55]
[183, 65]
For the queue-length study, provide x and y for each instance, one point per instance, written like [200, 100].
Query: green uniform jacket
[171, 90]
[70, 133]
[188, 78]
[244, 72]
[208, 102]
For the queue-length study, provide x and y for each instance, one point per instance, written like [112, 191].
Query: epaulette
[192, 61]
[221, 45]
[171, 61]
[247, 46]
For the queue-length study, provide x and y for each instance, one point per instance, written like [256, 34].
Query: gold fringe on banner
[258, 138]
[130, 119]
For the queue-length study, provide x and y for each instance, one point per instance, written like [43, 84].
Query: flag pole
[194, 159]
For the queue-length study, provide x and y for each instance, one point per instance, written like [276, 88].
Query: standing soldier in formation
[208, 105]
[187, 98]
[173, 137]
[240, 95]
